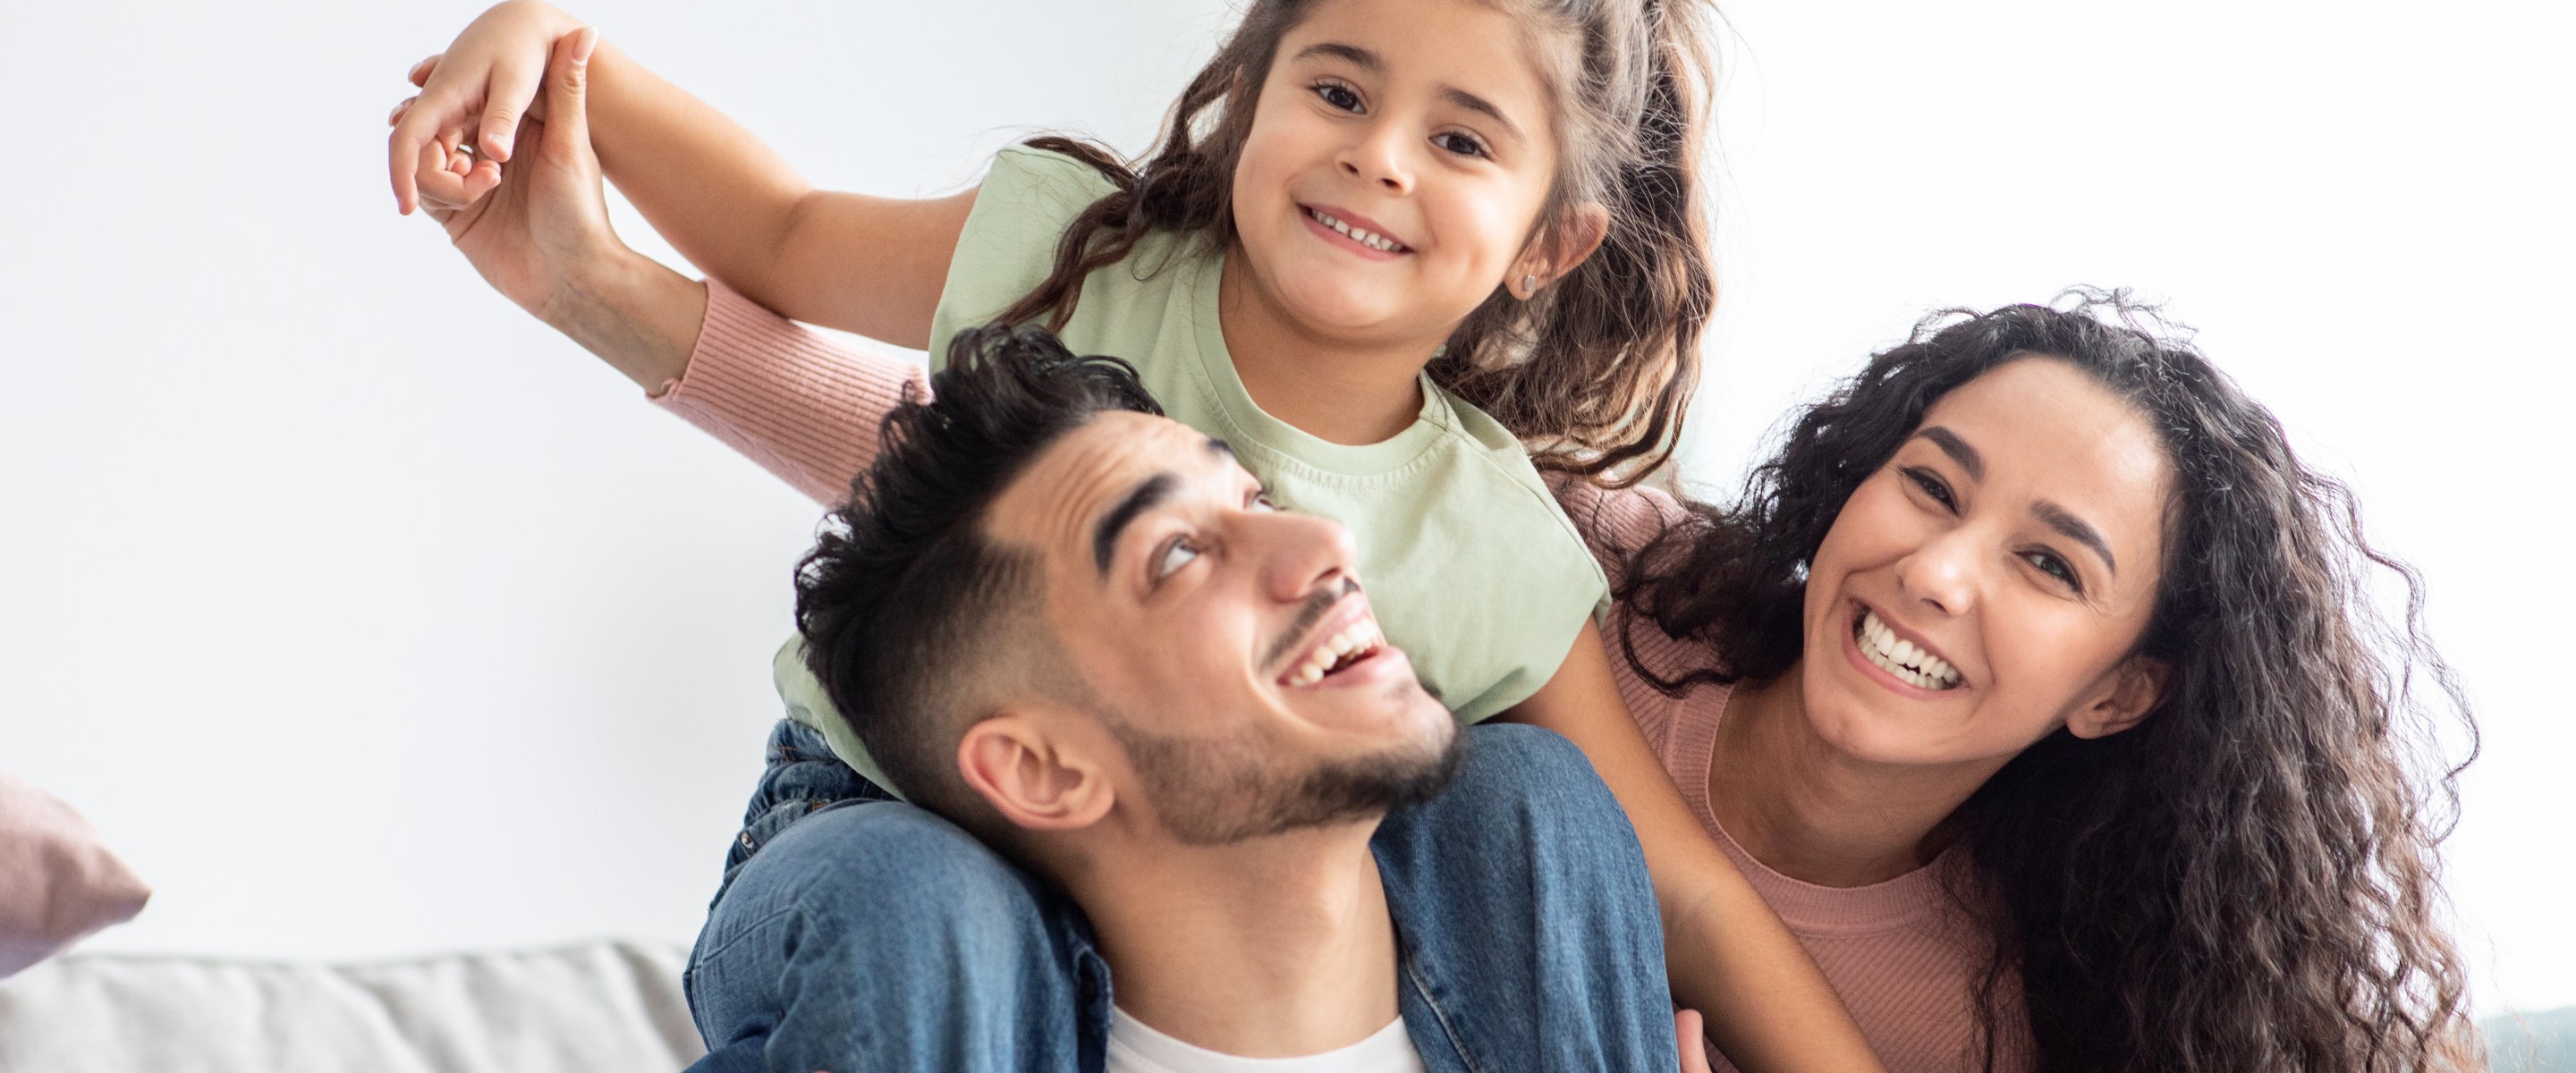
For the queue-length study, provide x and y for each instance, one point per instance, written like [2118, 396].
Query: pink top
[807, 409]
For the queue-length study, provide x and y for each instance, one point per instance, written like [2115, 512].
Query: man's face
[1228, 644]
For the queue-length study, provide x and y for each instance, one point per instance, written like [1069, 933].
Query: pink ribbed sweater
[807, 410]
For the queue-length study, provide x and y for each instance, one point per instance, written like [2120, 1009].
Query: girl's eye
[1461, 143]
[2048, 563]
[1931, 485]
[1338, 95]
[1174, 557]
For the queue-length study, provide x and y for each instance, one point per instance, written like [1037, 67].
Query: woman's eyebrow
[2075, 529]
[1958, 450]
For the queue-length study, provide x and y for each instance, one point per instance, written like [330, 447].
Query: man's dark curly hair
[911, 613]
[2247, 879]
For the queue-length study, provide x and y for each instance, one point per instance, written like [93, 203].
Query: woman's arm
[724, 199]
[801, 407]
[1728, 955]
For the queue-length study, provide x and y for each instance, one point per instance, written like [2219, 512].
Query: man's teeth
[1362, 236]
[1358, 637]
[1899, 657]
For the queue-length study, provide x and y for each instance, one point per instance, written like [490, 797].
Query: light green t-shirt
[1470, 565]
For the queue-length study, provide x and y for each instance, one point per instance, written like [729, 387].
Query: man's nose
[1300, 552]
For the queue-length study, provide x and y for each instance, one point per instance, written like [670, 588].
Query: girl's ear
[1014, 762]
[2135, 688]
[1559, 251]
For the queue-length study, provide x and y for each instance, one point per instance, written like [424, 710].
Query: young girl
[1381, 248]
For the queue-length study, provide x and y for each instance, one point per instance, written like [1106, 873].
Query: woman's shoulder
[1615, 522]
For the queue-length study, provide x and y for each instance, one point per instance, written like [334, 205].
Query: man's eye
[1174, 558]
[1261, 502]
[1338, 95]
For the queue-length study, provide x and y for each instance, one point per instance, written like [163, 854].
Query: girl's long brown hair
[1596, 370]
[2246, 880]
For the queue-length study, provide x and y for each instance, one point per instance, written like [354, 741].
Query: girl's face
[1986, 585]
[1398, 159]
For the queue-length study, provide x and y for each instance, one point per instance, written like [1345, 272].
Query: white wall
[367, 616]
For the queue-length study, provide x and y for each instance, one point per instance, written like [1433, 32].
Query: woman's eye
[1174, 558]
[1931, 485]
[1338, 95]
[2055, 567]
[1461, 144]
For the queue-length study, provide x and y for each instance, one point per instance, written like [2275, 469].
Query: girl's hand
[1694, 1041]
[536, 229]
[473, 96]
[541, 236]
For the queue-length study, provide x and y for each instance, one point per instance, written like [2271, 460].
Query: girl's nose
[1378, 158]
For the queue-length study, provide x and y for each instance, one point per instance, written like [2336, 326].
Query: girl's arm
[725, 200]
[1728, 955]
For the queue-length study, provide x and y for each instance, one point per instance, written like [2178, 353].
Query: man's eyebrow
[1958, 450]
[1474, 103]
[2065, 521]
[1145, 496]
[1216, 446]
[1359, 57]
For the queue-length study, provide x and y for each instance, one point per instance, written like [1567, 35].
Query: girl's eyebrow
[1367, 61]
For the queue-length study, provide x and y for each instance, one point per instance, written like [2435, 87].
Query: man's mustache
[1316, 607]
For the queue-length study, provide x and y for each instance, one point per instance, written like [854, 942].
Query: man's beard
[1213, 792]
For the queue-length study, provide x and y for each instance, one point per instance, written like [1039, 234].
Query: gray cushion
[593, 1007]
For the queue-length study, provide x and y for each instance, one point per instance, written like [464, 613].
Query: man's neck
[1269, 948]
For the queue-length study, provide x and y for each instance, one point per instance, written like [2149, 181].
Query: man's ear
[1558, 251]
[2129, 696]
[1022, 767]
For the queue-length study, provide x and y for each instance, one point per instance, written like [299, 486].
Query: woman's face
[1398, 158]
[1986, 585]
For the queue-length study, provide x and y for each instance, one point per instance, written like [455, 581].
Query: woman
[2033, 683]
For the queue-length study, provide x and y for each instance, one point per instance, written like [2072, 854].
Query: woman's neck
[1336, 390]
[1814, 813]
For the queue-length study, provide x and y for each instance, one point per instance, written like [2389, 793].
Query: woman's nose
[1942, 575]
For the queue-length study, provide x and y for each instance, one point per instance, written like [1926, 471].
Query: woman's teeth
[1899, 657]
[1362, 236]
[1356, 641]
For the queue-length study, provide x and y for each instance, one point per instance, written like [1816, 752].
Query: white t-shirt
[1134, 1047]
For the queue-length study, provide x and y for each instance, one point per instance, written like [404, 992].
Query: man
[1155, 738]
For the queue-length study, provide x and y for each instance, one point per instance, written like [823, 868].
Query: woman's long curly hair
[2247, 879]
[1596, 370]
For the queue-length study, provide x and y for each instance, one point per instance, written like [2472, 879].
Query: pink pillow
[57, 883]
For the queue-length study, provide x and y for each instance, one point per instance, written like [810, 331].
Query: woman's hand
[539, 233]
[474, 95]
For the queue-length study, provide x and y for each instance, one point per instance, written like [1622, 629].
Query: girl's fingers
[421, 71]
[432, 122]
[1692, 1031]
[396, 117]
[513, 85]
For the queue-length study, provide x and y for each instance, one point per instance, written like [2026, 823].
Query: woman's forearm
[1728, 955]
[635, 313]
